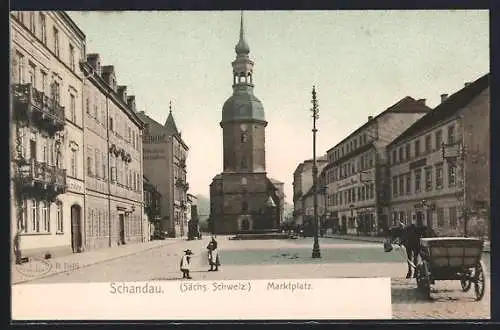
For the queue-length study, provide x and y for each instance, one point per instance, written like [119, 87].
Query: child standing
[185, 263]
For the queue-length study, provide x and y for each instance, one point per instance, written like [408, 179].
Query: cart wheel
[466, 281]
[479, 281]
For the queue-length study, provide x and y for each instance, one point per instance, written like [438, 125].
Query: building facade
[357, 176]
[152, 205]
[242, 197]
[165, 159]
[308, 205]
[47, 134]
[302, 184]
[113, 160]
[439, 167]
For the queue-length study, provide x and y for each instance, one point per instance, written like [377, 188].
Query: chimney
[466, 84]
[444, 97]
[108, 74]
[94, 61]
[122, 91]
[370, 118]
[421, 101]
[131, 102]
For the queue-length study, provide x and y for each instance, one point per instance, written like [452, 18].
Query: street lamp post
[316, 251]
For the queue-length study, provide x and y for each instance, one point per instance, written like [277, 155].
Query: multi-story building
[165, 156]
[428, 185]
[113, 160]
[152, 205]
[308, 204]
[302, 184]
[357, 172]
[47, 133]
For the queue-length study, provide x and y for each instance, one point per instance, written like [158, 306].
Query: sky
[361, 63]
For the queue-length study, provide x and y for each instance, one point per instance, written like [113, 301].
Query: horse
[409, 237]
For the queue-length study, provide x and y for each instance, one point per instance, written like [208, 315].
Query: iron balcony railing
[30, 103]
[33, 171]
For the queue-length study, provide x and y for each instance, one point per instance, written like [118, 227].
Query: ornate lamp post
[316, 253]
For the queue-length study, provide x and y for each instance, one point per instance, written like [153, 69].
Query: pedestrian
[185, 263]
[213, 256]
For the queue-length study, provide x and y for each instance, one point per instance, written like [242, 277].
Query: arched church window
[244, 162]
[244, 137]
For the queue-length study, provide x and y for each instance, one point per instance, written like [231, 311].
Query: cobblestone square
[272, 259]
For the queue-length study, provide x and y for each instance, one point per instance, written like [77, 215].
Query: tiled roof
[406, 105]
[446, 109]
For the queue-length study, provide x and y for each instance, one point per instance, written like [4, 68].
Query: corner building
[440, 166]
[242, 197]
[357, 176]
[47, 190]
[165, 165]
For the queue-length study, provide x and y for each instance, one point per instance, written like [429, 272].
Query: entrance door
[245, 224]
[122, 228]
[344, 225]
[76, 229]
[420, 219]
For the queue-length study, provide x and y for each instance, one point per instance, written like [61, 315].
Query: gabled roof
[446, 109]
[406, 105]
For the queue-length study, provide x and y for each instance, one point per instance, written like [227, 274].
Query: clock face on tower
[243, 127]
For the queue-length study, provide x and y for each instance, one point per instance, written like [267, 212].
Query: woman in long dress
[213, 256]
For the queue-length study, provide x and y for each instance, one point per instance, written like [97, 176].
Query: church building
[242, 197]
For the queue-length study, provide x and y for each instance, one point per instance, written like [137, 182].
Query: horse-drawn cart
[451, 258]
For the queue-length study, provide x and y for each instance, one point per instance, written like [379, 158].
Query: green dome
[242, 105]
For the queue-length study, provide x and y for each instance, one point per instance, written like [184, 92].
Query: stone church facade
[242, 197]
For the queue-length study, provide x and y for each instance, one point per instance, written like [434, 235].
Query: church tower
[242, 197]
[243, 122]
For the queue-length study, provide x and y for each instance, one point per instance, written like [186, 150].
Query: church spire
[242, 46]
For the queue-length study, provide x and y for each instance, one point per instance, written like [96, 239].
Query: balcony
[182, 184]
[34, 106]
[40, 177]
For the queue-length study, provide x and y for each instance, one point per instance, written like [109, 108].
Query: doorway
[420, 219]
[121, 220]
[245, 224]
[76, 229]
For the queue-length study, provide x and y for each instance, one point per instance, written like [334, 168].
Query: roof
[170, 124]
[150, 121]
[243, 105]
[446, 109]
[406, 105]
[274, 181]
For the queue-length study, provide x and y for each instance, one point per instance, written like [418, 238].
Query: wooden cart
[451, 258]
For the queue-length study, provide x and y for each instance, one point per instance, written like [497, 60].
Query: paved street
[291, 259]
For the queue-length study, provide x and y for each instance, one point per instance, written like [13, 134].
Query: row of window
[423, 179]
[38, 78]
[98, 225]
[351, 195]
[119, 171]
[403, 153]
[44, 149]
[351, 167]
[36, 22]
[118, 127]
[406, 217]
[36, 217]
[347, 147]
